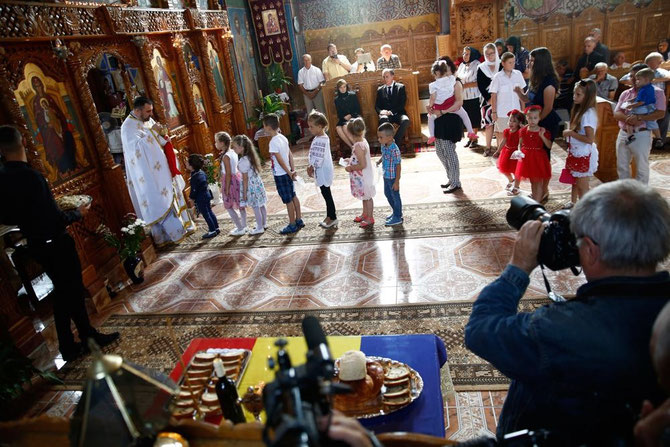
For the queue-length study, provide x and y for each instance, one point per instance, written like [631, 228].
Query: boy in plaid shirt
[390, 161]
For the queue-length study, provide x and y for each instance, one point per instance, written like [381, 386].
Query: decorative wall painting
[199, 103]
[215, 63]
[169, 95]
[53, 122]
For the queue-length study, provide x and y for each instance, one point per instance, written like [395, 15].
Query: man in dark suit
[390, 104]
[27, 202]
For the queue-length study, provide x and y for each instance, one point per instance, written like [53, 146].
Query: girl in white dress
[361, 174]
[252, 190]
[582, 161]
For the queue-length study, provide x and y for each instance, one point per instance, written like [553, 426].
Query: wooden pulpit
[365, 85]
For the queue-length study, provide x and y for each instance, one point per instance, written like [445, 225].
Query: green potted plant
[212, 170]
[277, 80]
[270, 105]
[128, 246]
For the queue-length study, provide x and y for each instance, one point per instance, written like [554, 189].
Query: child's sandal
[513, 192]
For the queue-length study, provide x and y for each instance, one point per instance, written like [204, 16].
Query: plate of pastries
[71, 202]
[379, 385]
[197, 388]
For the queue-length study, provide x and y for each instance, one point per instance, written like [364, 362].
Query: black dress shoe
[103, 340]
[468, 143]
[72, 353]
[452, 189]
[446, 185]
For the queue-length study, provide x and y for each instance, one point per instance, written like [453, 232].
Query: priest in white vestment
[154, 182]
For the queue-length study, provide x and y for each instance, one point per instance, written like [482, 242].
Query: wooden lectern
[365, 85]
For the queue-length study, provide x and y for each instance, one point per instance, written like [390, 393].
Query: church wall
[48, 51]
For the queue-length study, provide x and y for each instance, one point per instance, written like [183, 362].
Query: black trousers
[330, 204]
[403, 121]
[60, 261]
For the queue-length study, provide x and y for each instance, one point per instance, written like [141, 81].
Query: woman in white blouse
[467, 73]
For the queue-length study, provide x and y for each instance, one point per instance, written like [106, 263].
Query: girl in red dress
[509, 144]
[535, 164]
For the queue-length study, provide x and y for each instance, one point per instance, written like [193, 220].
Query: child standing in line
[321, 164]
[360, 171]
[390, 161]
[582, 161]
[509, 144]
[503, 96]
[535, 164]
[284, 173]
[442, 98]
[645, 102]
[230, 184]
[252, 191]
[201, 195]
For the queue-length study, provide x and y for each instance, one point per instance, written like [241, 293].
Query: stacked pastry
[198, 386]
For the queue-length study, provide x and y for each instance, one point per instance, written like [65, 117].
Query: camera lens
[523, 209]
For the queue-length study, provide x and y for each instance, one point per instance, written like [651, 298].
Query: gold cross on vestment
[158, 166]
[145, 204]
[164, 192]
[141, 179]
[138, 153]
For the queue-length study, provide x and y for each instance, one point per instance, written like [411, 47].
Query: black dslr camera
[558, 246]
[299, 397]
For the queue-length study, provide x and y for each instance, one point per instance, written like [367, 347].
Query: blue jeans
[206, 210]
[393, 197]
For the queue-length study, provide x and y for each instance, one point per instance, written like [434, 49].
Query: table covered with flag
[425, 353]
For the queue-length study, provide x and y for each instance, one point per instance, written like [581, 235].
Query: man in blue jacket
[581, 369]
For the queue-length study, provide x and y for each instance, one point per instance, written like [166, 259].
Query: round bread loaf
[352, 366]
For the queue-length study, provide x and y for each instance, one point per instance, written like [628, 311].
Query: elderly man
[581, 369]
[661, 76]
[27, 202]
[388, 59]
[588, 60]
[606, 84]
[637, 148]
[334, 64]
[310, 82]
[390, 104]
[600, 47]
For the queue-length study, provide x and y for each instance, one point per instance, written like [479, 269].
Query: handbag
[566, 177]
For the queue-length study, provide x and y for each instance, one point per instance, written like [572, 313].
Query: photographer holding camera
[581, 369]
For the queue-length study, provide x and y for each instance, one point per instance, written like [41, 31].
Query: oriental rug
[145, 338]
[420, 220]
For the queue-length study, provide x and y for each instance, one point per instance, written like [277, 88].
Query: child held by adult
[442, 98]
[390, 161]
[582, 161]
[509, 144]
[201, 195]
[535, 164]
[360, 171]
[321, 164]
[230, 184]
[284, 173]
[252, 191]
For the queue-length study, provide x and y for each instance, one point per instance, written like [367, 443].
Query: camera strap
[556, 298]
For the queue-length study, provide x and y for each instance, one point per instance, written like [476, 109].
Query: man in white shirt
[334, 64]
[310, 82]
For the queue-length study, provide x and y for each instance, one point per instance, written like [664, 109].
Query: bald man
[310, 82]
[654, 424]
[588, 60]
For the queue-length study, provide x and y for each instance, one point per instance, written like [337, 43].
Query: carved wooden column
[218, 120]
[199, 127]
[151, 84]
[11, 106]
[238, 108]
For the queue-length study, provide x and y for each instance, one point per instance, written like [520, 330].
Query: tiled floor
[436, 269]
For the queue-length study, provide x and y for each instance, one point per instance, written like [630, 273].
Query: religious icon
[166, 90]
[192, 61]
[215, 63]
[46, 107]
[199, 103]
[271, 22]
[244, 59]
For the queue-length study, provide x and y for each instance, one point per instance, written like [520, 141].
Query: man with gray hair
[606, 84]
[581, 369]
[310, 82]
[600, 47]
[588, 60]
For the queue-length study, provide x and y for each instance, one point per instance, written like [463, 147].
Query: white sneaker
[256, 231]
[238, 231]
[330, 225]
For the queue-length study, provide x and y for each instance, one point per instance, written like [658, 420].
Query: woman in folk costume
[154, 181]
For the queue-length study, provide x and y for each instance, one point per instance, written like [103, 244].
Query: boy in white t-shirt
[284, 173]
[503, 97]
